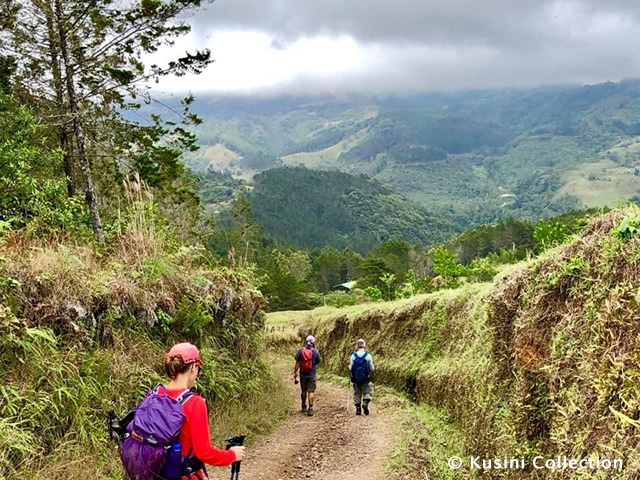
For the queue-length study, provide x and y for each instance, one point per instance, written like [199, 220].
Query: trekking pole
[235, 441]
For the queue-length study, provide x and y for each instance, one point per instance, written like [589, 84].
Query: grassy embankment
[84, 331]
[544, 361]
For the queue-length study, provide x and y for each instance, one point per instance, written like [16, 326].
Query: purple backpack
[154, 430]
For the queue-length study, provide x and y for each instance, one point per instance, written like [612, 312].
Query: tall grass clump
[84, 331]
[544, 361]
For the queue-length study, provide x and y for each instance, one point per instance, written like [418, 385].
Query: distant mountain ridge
[471, 157]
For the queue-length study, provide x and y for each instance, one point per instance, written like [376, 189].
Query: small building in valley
[344, 287]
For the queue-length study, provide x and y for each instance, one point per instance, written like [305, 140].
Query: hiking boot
[304, 407]
[365, 409]
[310, 411]
[358, 410]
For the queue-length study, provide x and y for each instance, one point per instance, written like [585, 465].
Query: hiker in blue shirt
[361, 367]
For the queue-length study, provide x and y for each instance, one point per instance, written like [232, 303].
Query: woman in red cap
[182, 365]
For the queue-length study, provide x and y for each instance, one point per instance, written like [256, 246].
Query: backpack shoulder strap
[184, 396]
[366, 354]
[157, 389]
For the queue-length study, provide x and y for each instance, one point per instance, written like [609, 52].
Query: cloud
[382, 47]
[452, 22]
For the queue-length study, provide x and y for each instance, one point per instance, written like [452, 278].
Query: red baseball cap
[188, 351]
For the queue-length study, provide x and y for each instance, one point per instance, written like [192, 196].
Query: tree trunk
[67, 159]
[63, 129]
[78, 129]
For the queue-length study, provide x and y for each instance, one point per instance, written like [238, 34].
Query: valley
[555, 149]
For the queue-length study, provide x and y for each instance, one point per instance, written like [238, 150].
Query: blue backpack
[360, 372]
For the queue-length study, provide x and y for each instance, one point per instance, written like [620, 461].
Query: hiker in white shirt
[361, 367]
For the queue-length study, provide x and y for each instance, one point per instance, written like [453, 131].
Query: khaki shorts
[308, 384]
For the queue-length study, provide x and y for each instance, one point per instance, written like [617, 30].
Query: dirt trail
[334, 444]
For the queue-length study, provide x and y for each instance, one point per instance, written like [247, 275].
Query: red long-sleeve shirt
[195, 432]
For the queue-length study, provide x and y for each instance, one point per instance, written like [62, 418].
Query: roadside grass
[286, 328]
[255, 414]
[429, 439]
[281, 330]
[53, 423]
[294, 319]
[288, 320]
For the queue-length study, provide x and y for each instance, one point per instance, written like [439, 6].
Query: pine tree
[83, 61]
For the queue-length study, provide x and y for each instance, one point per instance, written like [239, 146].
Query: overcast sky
[341, 47]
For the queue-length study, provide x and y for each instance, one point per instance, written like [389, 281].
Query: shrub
[373, 292]
[445, 265]
[547, 234]
[480, 270]
[340, 299]
[627, 228]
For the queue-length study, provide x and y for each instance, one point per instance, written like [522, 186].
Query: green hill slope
[472, 157]
[317, 208]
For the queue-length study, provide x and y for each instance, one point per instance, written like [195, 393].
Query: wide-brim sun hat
[187, 351]
[310, 340]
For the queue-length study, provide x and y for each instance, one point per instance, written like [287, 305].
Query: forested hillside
[316, 209]
[473, 157]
